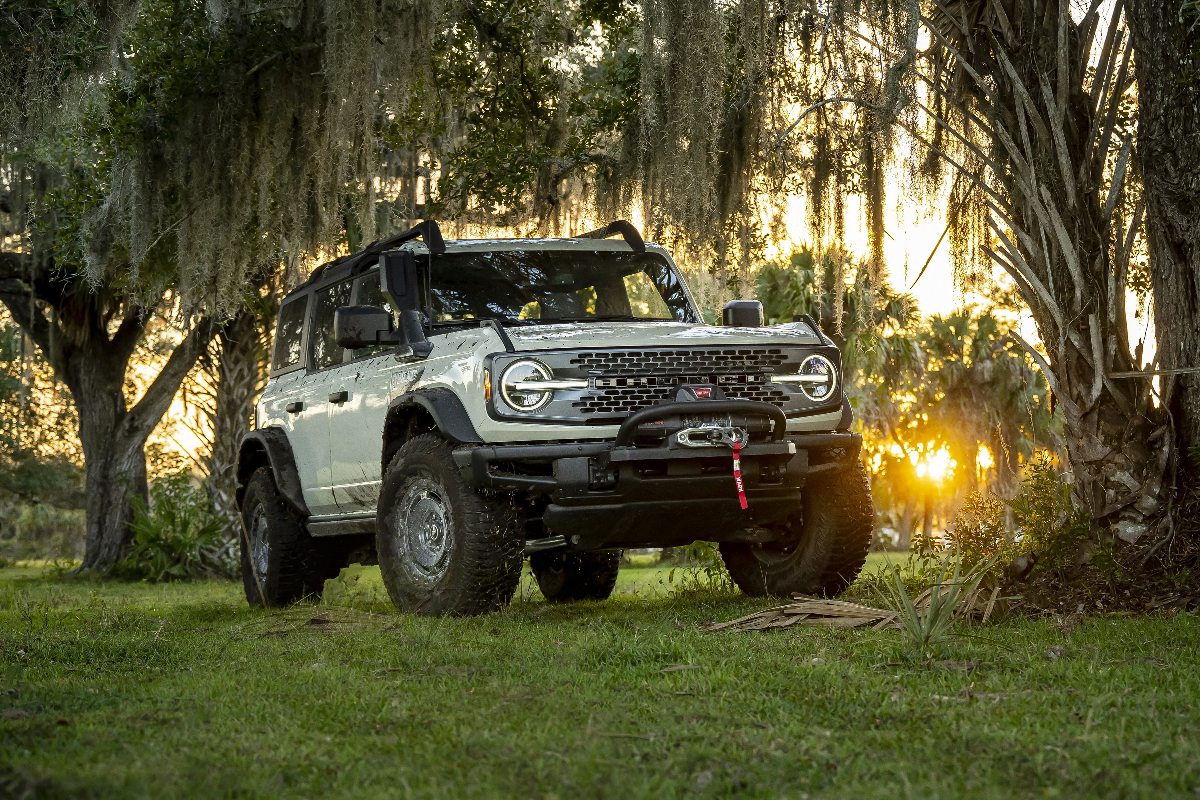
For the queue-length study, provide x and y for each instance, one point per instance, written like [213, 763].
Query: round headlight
[817, 365]
[525, 399]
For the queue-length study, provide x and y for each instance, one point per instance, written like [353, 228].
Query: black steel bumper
[607, 495]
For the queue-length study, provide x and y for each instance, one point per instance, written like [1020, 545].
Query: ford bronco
[451, 407]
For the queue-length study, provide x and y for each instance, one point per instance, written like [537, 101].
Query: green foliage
[979, 534]
[176, 535]
[1046, 517]
[359, 587]
[928, 629]
[39, 458]
[40, 531]
[703, 571]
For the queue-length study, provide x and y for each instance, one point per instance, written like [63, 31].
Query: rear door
[310, 443]
[361, 386]
[291, 399]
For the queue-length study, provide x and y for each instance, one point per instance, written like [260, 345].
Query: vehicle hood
[575, 335]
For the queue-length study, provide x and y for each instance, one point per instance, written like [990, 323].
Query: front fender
[447, 411]
[270, 445]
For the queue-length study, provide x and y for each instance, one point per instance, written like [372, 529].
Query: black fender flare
[447, 411]
[847, 414]
[273, 443]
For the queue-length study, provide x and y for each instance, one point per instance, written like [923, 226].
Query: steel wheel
[423, 528]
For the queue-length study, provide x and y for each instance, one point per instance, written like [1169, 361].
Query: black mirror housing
[362, 326]
[742, 314]
[398, 279]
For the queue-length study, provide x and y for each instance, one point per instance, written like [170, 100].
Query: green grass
[181, 690]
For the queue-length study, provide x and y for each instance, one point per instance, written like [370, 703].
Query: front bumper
[602, 494]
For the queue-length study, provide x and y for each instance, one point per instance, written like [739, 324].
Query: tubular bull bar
[621, 493]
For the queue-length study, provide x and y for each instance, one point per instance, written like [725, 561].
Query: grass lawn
[181, 690]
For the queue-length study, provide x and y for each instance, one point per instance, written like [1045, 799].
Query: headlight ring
[818, 365]
[525, 399]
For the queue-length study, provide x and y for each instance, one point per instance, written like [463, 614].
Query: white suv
[451, 407]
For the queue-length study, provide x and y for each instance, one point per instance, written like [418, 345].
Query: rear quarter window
[289, 335]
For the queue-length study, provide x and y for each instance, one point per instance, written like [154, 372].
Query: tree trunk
[239, 373]
[906, 524]
[1060, 239]
[93, 363]
[115, 465]
[1168, 73]
[114, 437]
[927, 524]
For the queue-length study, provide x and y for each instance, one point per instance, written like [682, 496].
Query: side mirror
[742, 314]
[398, 279]
[362, 326]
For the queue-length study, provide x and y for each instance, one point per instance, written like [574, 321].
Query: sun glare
[936, 466]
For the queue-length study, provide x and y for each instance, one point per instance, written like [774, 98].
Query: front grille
[622, 401]
[765, 393]
[625, 395]
[681, 362]
[621, 382]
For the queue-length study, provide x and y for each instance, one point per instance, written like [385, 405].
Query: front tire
[281, 562]
[826, 545]
[444, 549]
[565, 577]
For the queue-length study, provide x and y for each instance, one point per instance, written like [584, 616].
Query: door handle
[339, 397]
[294, 407]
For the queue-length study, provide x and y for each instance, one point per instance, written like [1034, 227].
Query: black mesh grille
[768, 393]
[624, 381]
[681, 362]
[622, 401]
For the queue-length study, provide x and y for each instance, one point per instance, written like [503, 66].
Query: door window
[371, 294]
[290, 333]
[326, 352]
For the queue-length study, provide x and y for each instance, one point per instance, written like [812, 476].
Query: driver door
[361, 388]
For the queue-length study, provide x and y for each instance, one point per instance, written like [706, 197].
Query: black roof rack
[628, 233]
[426, 230]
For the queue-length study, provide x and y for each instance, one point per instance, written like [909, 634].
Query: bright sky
[911, 238]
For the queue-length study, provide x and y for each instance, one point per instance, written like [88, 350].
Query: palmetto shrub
[176, 535]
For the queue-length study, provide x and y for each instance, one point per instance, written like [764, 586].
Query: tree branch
[146, 413]
[29, 317]
[125, 340]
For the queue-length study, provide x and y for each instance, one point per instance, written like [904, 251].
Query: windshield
[547, 286]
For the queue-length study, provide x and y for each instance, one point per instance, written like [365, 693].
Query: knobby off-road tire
[826, 547]
[444, 549]
[564, 577]
[289, 563]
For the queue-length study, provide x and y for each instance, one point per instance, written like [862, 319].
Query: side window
[370, 294]
[326, 352]
[290, 333]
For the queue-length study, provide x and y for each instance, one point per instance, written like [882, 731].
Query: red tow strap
[737, 474]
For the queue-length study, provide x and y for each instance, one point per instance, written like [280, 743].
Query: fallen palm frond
[974, 603]
[810, 611]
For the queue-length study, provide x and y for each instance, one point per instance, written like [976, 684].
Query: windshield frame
[679, 302]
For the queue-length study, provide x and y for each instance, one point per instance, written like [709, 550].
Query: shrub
[703, 571]
[979, 533]
[176, 535]
[927, 630]
[1049, 523]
